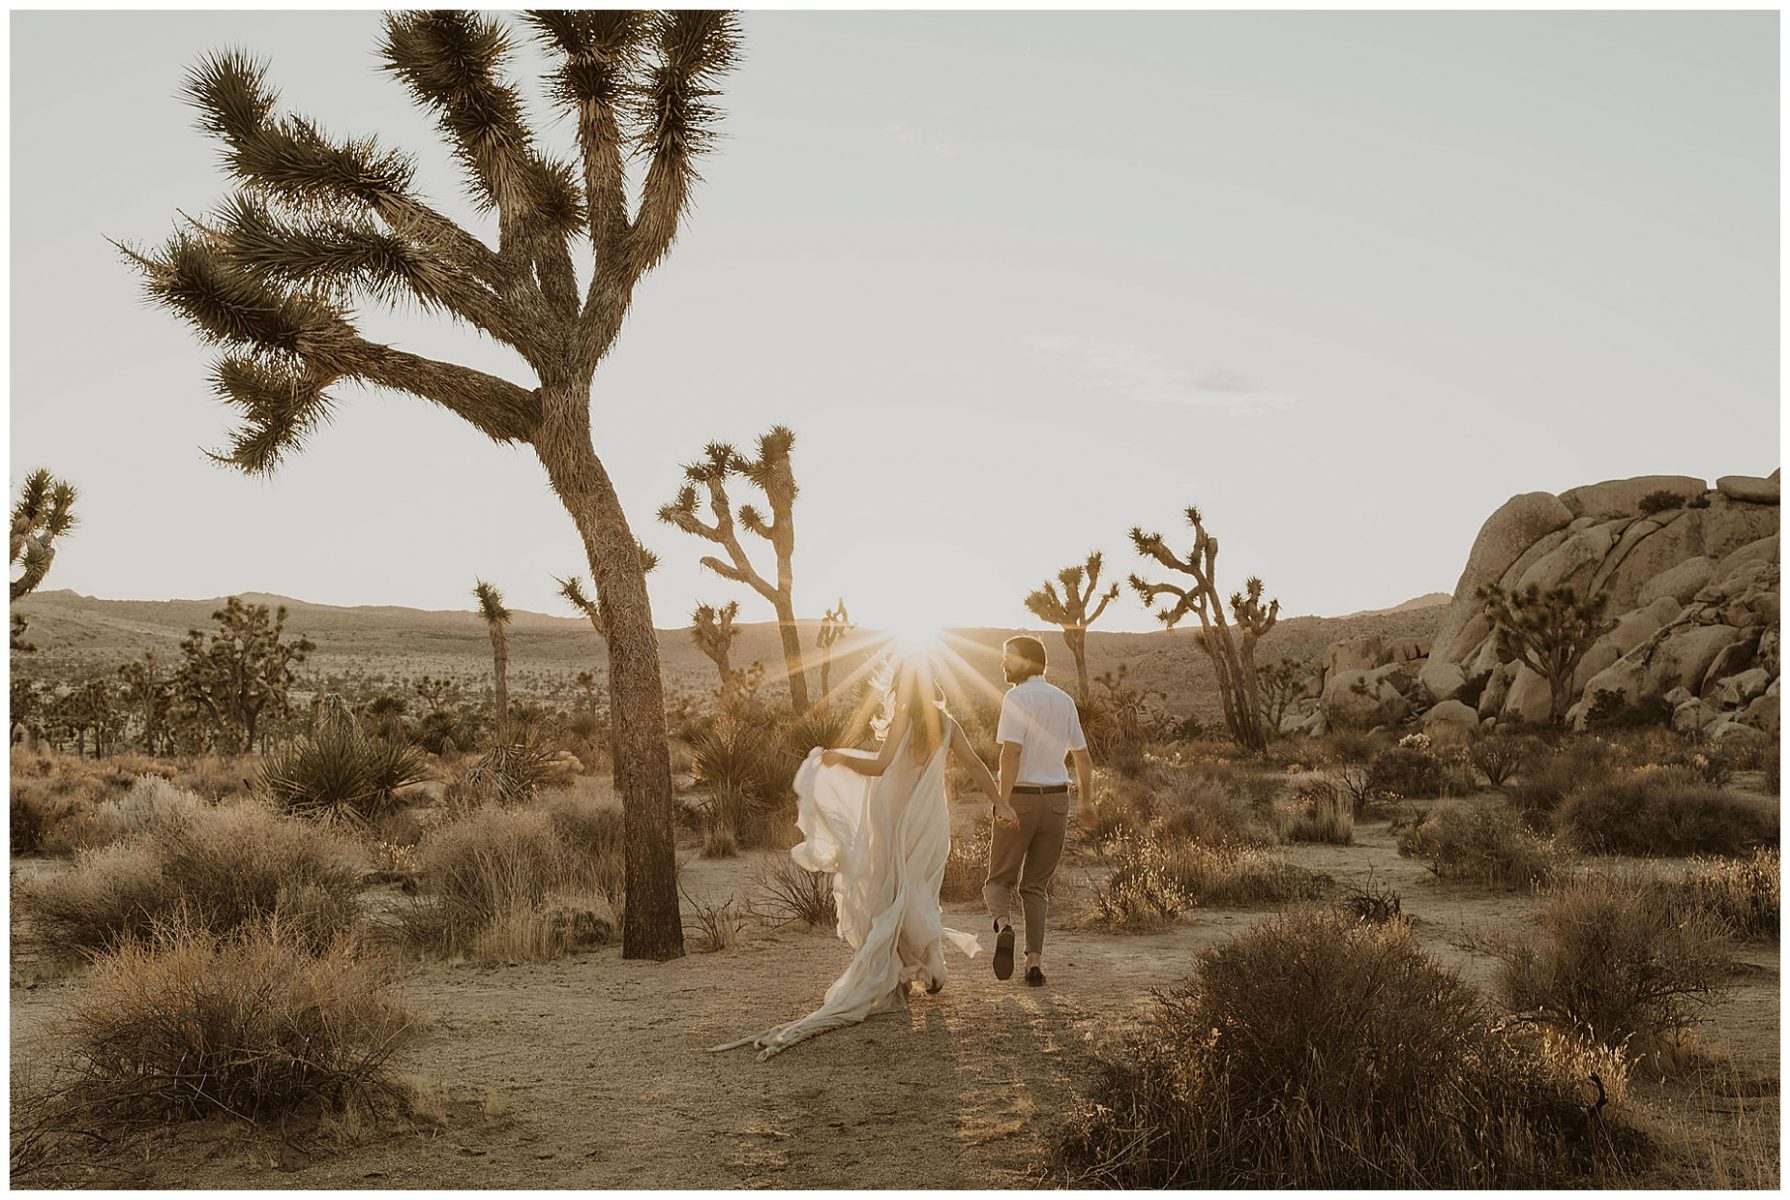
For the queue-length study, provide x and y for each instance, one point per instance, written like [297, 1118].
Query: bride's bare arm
[865, 764]
[966, 754]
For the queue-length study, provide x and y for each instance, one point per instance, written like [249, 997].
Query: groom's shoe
[1034, 977]
[1003, 953]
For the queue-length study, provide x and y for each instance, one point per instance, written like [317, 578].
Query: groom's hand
[1006, 817]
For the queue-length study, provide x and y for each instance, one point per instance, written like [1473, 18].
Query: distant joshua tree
[771, 473]
[322, 225]
[1549, 632]
[1070, 611]
[1234, 665]
[712, 630]
[245, 673]
[1281, 683]
[497, 620]
[833, 628]
[44, 511]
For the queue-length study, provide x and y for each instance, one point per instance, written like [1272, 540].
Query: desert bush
[589, 829]
[1615, 960]
[1660, 501]
[340, 773]
[1661, 810]
[967, 866]
[719, 840]
[1482, 842]
[151, 804]
[1742, 893]
[191, 1023]
[1770, 767]
[1320, 1051]
[1350, 746]
[1206, 802]
[1371, 901]
[1154, 879]
[1500, 756]
[789, 893]
[1405, 771]
[1138, 895]
[1712, 768]
[717, 926]
[489, 869]
[1611, 711]
[1321, 810]
[513, 772]
[218, 871]
[1547, 775]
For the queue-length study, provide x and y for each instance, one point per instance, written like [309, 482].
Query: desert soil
[594, 1072]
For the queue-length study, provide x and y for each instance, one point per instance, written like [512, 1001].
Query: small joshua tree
[244, 673]
[497, 620]
[833, 628]
[1549, 632]
[43, 512]
[1281, 683]
[771, 473]
[1234, 665]
[712, 630]
[1070, 611]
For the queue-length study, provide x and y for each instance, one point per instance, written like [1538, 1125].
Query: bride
[880, 825]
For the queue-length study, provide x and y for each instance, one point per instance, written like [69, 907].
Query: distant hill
[1427, 600]
[387, 645]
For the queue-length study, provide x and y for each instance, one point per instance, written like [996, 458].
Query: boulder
[1730, 730]
[1632, 629]
[1693, 717]
[1682, 658]
[1730, 525]
[1665, 610]
[1355, 654]
[1738, 691]
[1627, 677]
[1491, 699]
[1622, 497]
[1362, 699]
[1445, 682]
[1732, 659]
[1528, 698]
[1680, 582]
[1573, 561]
[1603, 653]
[1516, 526]
[1678, 696]
[1762, 714]
[1450, 717]
[1750, 488]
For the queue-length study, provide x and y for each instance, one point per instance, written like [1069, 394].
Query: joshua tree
[43, 512]
[572, 589]
[1548, 632]
[833, 628]
[1234, 665]
[322, 224]
[1070, 611]
[1281, 683]
[144, 685]
[497, 620]
[770, 472]
[246, 671]
[712, 630]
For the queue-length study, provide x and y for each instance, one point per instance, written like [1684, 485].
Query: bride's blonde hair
[910, 683]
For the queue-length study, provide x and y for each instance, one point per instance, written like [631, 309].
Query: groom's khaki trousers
[1027, 856]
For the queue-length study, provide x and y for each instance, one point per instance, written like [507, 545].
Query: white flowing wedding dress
[885, 841]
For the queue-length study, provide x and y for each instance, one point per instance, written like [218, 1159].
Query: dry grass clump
[590, 829]
[1743, 893]
[1661, 810]
[1207, 803]
[151, 803]
[1499, 756]
[1607, 957]
[715, 925]
[488, 882]
[1412, 770]
[219, 869]
[190, 1023]
[787, 893]
[967, 866]
[1482, 842]
[1154, 879]
[1320, 810]
[1316, 1051]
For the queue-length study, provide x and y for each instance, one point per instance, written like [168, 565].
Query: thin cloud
[1121, 369]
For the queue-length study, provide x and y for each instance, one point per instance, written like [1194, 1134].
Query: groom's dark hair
[1028, 648]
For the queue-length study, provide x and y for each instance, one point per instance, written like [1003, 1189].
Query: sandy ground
[593, 1072]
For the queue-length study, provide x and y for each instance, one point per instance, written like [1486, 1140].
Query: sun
[915, 637]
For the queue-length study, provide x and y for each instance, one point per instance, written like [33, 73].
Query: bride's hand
[832, 758]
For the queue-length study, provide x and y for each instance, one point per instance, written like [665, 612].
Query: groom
[1039, 727]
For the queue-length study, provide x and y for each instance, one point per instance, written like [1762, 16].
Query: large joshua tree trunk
[500, 682]
[651, 924]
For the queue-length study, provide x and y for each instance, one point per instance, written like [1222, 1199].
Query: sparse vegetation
[787, 893]
[1661, 810]
[1481, 842]
[1224, 1089]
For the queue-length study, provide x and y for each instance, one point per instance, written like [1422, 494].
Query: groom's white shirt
[1041, 718]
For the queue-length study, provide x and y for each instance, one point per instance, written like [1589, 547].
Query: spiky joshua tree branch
[1069, 610]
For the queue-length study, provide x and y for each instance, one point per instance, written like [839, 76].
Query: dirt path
[593, 1072]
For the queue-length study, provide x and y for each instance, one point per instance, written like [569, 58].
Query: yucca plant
[497, 622]
[339, 772]
[321, 225]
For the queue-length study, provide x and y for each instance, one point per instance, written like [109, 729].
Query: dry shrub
[1483, 842]
[1742, 893]
[1153, 880]
[1661, 810]
[966, 869]
[1321, 810]
[188, 1023]
[1207, 803]
[1344, 746]
[718, 840]
[491, 870]
[220, 869]
[151, 804]
[590, 828]
[790, 893]
[1500, 755]
[1406, 772]
[1612, 959]
[1317, 1051]
[717, 926]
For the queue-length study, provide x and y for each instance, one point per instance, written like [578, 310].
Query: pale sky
[1017, 280]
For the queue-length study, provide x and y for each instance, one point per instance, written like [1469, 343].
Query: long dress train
[885, 841]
